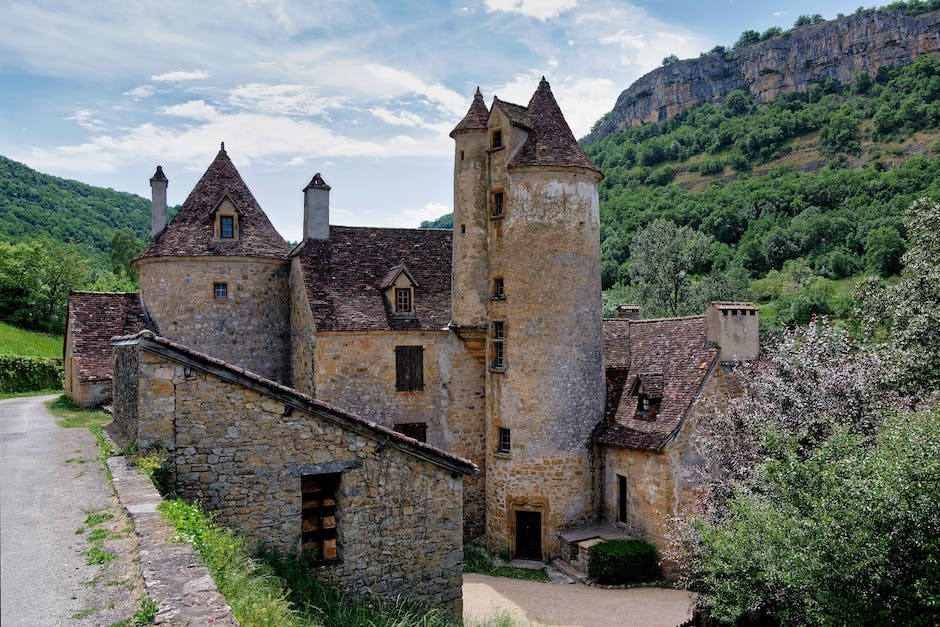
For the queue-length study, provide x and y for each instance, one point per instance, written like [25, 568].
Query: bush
[623, 561]
[30, 374]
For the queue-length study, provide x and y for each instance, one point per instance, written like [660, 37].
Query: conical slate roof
[551, 141]
[192, 231]
[476, 116]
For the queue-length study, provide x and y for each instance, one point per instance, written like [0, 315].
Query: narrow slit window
[621, 499]
[497, 139]
[227, 227]
[220, 290]
[499, 337]
[318, 516]
[498, 204]
[505, 440]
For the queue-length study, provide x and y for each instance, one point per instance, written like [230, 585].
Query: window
[499, 288]
[461, 155]
[463, 228]
[498, 205]
[409, 368]
[220, 290]
[227, 227]
[499, 336]
[402, 300]
[644, 403]
[505, 440]
[621, 499]
[414, 430]
[647, 408]
[497, 139]
[318, 516]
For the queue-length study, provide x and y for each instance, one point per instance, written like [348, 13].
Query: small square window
[505, 440]
[497, 139]
[227, 227]
[644, 403]
[220, 290]
[499, 288]
[402, 300]
[498, 204]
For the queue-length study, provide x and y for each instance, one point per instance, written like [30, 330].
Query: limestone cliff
[787, 62]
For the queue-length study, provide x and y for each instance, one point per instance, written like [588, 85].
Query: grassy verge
[72, 416]
[477, 560]
[4, 395]
[15, 341]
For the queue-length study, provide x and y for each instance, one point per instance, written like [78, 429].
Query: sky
[363, 92]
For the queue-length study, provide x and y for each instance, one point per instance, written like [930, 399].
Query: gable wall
[303, 334]
[250, 328]
[356, 371]
[241, 454]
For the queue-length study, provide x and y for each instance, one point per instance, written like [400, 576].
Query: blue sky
[363, 92]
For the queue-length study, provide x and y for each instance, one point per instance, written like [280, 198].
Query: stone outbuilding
[378, 512]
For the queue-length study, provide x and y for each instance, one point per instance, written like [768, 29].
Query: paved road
[528, 602]
[43, 500]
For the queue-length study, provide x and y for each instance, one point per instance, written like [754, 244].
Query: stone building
[486, 341]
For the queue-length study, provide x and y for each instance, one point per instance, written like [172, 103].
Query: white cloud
[141, 91]
[180, 75]
[539, 9]
[87, 120]
[282, 99]
[779, 13]
[194, 110]
[406, 217]
[401, 118]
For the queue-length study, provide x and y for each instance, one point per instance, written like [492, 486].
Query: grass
[477, 560]
[15, 341]
[84, 613]
[4, 395]
[71, 416]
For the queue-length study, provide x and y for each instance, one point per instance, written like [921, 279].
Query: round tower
[545, 375]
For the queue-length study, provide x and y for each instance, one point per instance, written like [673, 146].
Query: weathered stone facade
[250, 327]
[240, 445]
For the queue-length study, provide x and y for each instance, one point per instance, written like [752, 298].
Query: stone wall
[356, 371]
[302, 334]
[124, 402]
[250, 328]
[241, 452]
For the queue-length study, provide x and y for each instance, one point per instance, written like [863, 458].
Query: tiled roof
[476, 116]
[670, 353]
[551, 141]
[344, 276]
[93, 319]
[228, 372]
[192, 232]
[517, 114]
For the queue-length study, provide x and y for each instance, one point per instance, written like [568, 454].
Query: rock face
[788, 62]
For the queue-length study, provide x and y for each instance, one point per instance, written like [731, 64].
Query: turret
[317, 209]
[158, 185]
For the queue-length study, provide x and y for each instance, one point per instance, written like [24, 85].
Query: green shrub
[30, 374]
[623, 561]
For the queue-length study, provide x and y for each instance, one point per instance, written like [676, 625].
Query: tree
[124, 247]
[883, 250]
[747, 38]
[663, 259]
[670, 60]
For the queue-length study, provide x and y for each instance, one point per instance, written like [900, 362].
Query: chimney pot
[317, 209]
[734, 327]
[628, 312]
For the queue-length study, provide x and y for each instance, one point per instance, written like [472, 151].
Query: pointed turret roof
[192, 232]
[476, 116]
[551, 141]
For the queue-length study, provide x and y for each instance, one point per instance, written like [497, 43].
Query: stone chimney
[158, 184]
[628, 312]
[734, 328]
[317, 209]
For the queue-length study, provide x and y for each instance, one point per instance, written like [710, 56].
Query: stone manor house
[349, 394]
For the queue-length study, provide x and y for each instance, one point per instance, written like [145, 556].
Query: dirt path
[486, 598]
[56, 507]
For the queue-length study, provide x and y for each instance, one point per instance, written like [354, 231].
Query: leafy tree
[883, 250]
[773, 31]
[124, 247]
[670, 60]
[747, 38]
[662, 260]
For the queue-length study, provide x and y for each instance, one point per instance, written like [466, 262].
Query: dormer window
[399, 289]
[225, 219]
[648, 390]
[496, 139]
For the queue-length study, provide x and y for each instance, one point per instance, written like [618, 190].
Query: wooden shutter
[409, 368]
[318, 515]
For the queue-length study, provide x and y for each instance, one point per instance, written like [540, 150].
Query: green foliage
[883, 249]
[444, 222]
[72, 416]
[124, 247]
[477, 560]
[747, 38]
[157, 467]
[623, 561]
[38, 206]
[97, 555]
[29, 374]
[670, 60]
[15, 341]
[805, 20]
[147, 612]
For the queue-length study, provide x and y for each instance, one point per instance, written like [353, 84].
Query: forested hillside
[35, 206]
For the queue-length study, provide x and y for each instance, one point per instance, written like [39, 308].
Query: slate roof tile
[191, 233]
[93, 319]
[344, 275]
[476, 116]
[670, 353]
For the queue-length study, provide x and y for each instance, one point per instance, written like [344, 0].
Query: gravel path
[528, 602]
[50, 480]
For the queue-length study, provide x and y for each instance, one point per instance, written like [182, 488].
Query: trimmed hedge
[617, 562]
[30, 374]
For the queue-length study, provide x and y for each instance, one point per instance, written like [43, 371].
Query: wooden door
[528, 535]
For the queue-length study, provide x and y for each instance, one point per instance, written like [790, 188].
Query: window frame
[503, 440]
[497, 345]
[496, 139]
[499, 288]
[220, 290]
[223, 221]
[406, 294]
[498, 204]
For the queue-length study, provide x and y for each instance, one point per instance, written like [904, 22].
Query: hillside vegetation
[37, 206]
[14, 341]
